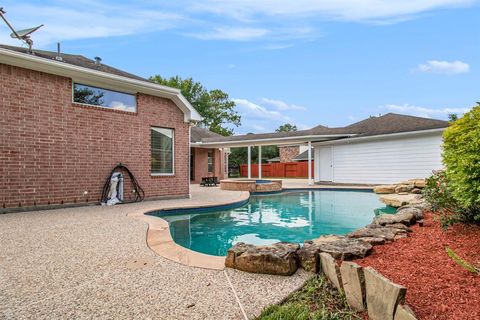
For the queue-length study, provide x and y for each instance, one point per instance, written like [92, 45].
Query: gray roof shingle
[197, 134]
[76, 60]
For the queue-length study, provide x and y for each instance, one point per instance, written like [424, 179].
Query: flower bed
[438, 288]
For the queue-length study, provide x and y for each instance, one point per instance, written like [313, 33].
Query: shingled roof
[394, 123]
[76, 60]
[197, 134]
[385, 124]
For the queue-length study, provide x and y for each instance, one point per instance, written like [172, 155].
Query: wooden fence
[278, 170]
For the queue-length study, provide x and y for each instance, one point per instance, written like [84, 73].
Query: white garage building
[377, 150]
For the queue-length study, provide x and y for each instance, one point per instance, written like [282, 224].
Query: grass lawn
[316, 300]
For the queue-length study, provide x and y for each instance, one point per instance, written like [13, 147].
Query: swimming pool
[293, 216]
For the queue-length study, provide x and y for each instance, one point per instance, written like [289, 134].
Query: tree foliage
[287, 127]
[214, 106]
[461, 156]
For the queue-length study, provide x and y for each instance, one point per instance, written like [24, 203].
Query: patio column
[249, 162]
[259, 162]
[309, 163]
[227, 155]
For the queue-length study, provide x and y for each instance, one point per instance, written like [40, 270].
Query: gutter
[99, 78]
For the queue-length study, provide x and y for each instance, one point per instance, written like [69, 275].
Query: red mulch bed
[437, 288]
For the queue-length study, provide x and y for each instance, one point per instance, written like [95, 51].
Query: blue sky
[328, 62]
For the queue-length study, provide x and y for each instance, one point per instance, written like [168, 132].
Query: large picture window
[162, 142]
[104, 98]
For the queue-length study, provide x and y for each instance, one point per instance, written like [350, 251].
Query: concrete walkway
[93, 262]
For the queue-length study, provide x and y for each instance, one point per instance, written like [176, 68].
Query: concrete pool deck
[93, 262]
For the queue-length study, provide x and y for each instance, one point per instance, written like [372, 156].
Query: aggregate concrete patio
[93, 262]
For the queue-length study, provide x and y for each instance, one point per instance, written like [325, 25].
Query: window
[104, 98]
[162, 150]
[210, 161]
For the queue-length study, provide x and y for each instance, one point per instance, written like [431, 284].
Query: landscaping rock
[278, 258]
[346, 248]
[419, 183]
[420, 204]
[416, 191]
[331, 270]
[404, 313]
[406, 217]
[417, 212]
[373, 240]
[324, 239]
[382, 295]
[308, 258]
[404, 188]
[397, 200]
[308, 255]
[400, 236]
[373, 232]
[353, 282]
[390, 188]
[339, 247]
[400, 226]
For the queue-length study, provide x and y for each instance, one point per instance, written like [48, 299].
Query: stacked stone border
[251, 185]
[367, 290]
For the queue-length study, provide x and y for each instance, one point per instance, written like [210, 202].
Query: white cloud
[118, 105]
[424, 111]
[281, 105]
[254, 111]
[350, 10]
[444, 67]
[231, 33]
[76, 21]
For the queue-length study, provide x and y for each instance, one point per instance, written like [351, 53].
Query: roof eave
[382, 136]
[270, 141]
[99, 78]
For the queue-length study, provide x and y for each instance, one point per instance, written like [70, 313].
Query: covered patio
[250, 141]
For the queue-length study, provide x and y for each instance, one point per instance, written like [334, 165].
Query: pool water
[293, 216]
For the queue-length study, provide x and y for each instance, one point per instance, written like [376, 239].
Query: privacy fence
[278, 170]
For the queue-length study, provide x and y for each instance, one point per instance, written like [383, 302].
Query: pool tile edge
[160, 241]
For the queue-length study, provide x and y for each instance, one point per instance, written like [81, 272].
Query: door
[326, 165]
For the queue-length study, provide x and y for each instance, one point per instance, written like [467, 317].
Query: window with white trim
[162, 150]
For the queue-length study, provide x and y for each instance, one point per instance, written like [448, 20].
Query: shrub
[437, 192]
[461, 156]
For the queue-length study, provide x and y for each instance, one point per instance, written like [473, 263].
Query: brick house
[66, 121]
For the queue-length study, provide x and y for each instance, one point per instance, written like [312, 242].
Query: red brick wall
[52, 150]
[201, 164]
[288, 153]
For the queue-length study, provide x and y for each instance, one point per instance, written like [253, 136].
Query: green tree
[214, 106]
[287, 127]
[452, 117]
[461, 156]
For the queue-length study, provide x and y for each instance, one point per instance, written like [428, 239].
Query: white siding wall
[385, 161]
